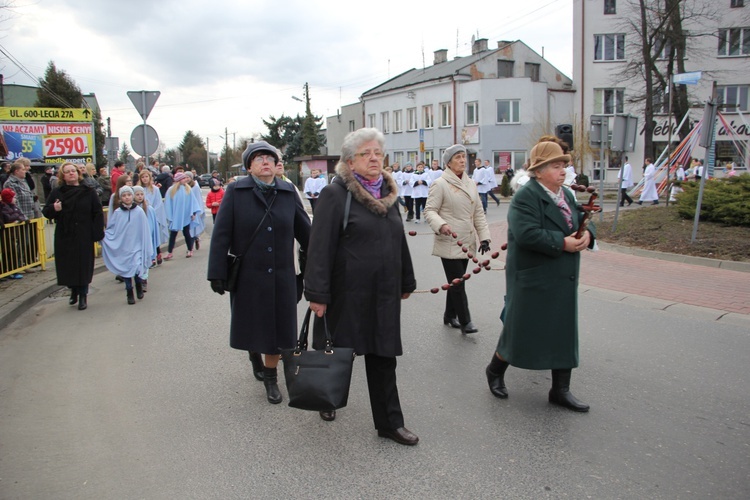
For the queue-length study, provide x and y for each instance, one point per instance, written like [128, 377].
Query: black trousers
[456, 303]
[419, 205]
[384, 401]
[624, 197]
[409, 207]
[186, 234]
[313, 202]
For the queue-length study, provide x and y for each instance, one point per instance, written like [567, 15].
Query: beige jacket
[455, 202]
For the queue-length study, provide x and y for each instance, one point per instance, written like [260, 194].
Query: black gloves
[405, 183]
[484, 247]
[218, 286]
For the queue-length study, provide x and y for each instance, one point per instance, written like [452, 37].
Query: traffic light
[564, 132]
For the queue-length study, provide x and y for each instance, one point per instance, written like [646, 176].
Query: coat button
[572, 278]
[270, 270]
[270, 228]
[270, 249]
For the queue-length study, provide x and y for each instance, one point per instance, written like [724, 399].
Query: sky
[227, 64]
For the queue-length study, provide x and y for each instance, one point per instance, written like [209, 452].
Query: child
[213, 199]
[11, 213]
[127, 247]
[139, 197]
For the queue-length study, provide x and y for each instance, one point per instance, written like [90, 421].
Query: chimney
[440, 56]
[479, 46]
[502, 43]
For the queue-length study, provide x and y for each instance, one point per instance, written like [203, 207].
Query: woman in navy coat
[264, 305]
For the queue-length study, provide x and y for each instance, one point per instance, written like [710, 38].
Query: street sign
[46, 114]
[598, 131]
[144, 101]
[691, 78]
[144, 140]
[624, 132]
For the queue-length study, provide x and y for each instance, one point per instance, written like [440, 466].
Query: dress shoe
[328, 416]
[639, 202]
[453, 322]
[402, 435]
[497, 383]
[560, 393]
[270, 381]
[82, 302]
[468, 328]
[73, 297]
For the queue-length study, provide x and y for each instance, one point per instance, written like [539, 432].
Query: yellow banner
[46, 114]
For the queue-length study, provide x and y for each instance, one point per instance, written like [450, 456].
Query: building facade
[605, 41]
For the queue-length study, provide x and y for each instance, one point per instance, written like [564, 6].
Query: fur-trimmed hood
[379, 207]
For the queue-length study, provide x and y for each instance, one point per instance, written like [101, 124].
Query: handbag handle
[305, 330]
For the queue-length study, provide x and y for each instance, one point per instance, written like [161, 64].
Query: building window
[737, 3]
[508, 111]
[398, 157]
[427, 158]
[734, 42]
[610, 6]
[472, 113]
[505, 68]
[384, 120]
[351, 126]
[411, 119]
[531, 70]
[428, 118]
[609, 47]
[662, 48]
[660, 102]
[733, 97]
[508, 159]
[608, 101]
[371, 121]
[398, 125]
[412, 157]
[445, 115]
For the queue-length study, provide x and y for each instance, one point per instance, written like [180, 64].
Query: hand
[405, 296]
[318, 309]
[218, 286]
[445, 229]
[57, 205]
[573, 245]
[484, 246]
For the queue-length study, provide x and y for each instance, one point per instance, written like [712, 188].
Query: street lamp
[297, 98]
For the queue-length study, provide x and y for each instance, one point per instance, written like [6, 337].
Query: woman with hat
[181, 208]
[79, 222]
[454, 208]
[259, 219]
[541, 274]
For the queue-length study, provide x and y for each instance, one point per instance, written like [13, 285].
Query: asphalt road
[148, 401]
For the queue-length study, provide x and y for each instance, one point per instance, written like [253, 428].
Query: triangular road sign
[144, 101]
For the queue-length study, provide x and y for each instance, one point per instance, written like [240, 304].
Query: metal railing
[22, 246]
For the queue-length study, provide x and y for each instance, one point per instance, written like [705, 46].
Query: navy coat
[264, 307]
[540, 330]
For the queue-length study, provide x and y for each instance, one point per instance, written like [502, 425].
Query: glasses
[264, 158]
[367, 154]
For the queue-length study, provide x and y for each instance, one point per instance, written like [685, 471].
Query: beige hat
[546, 152]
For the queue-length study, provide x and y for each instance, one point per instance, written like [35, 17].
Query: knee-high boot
[496, 377]
[270, 380]
[560, 393]
[257, 362]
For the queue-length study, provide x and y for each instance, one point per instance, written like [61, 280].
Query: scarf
[372, 187]
[264, 186]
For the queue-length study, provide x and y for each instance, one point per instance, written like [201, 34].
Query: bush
[505, 189]
[582, 179]
[724, 200]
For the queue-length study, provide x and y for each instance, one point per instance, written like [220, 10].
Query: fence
[22, 246]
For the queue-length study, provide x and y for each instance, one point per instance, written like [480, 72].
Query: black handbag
[234, 262]
[317, 380]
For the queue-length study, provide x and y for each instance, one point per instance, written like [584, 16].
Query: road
[148, 401]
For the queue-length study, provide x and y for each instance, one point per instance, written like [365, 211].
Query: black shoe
[453, 322]
[497, 383]
[656, 202]
[468, 328]
[257, 362]
[82, 302]
[560, 393]
[197, 244]
[328, 416]
[402, 435]
[120, 279]
[639, 202]
[73, 297]
[270, 381]
[139, 290]
[131, 298]
[630, 202]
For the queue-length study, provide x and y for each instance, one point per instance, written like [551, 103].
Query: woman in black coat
[360, 269]
[77, 212]
[264, 305]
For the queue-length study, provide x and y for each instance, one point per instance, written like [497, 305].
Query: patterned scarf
[372, 187]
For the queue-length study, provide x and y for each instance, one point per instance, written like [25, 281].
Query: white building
[496, 102]
[603, 44]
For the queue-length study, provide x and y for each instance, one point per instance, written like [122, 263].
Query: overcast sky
[229, 63]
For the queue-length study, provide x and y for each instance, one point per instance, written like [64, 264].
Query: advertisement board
[36, 134]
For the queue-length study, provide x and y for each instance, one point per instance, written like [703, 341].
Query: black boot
[560, 393]
[139, 289]
[73, 297]
[270, 380]
[131, 298]
[495, 372]
[257, 361]
[453, 322]
[468, 328]
[82, 303]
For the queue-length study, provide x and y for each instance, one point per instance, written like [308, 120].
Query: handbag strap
[252, 237]
[305, 330]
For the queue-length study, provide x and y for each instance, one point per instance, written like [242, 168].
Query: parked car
[203, 179]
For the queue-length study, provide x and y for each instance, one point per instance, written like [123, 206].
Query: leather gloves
[484, 247]
[218, 286]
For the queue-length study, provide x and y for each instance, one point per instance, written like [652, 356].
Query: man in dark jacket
[164, 180]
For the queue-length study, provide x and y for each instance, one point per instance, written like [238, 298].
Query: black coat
[264, 307]
[165, 180]
[360, 272]
[77, 226]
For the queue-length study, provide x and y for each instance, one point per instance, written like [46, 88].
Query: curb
[729, 265]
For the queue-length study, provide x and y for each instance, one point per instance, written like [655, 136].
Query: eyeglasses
[264, 158]
[367, 154]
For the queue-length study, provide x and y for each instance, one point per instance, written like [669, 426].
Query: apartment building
[718, 45]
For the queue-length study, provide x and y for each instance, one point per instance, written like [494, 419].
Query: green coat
[540, 328]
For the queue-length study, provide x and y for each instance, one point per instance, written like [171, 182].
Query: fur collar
[379, 207]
